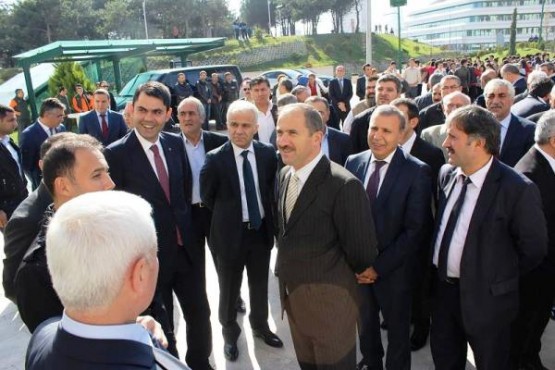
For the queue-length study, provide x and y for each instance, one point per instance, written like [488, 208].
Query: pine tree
[68, 74]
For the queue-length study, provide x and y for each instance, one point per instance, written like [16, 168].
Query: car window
[129, 89]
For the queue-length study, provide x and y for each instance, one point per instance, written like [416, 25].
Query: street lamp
[144, 18]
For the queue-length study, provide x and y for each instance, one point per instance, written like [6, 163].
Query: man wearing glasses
[433, 115]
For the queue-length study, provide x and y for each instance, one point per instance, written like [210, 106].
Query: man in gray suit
[326, 236]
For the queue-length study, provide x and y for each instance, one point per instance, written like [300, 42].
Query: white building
[472, 25]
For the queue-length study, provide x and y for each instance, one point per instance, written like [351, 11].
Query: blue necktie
[250, 193]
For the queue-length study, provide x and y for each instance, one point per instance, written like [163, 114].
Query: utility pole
[144, 18]
[398, 4]
[541, 19]
[369, 31]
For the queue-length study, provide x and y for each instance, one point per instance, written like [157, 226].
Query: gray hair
[545, 128]
[286, 99]
[455, 94]
[535, 77]
[300, 89]
[509, 68]
[388, 111]
[478, 122]
[242, 106]
[498, 82]
[109, 230]
[198, 104]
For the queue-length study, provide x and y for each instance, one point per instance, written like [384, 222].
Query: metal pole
[144, 18]
[369, 31]
[541, 19]
[399, 61]
[269, 19]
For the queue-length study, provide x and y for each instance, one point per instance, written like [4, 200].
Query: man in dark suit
[336, 145]
[490, 230]
[536, 100]
[433, 157]
[363, 80]
[400, 192]
[237, 184]
[102, 123]
[12, 180]
[433, 95]
[103, 298]
[388, 88]
[340, 93]
[510, 72]
[434, 115]
[25, 223]
[517, 134]
[326, 235]
[536, 288]
[152, 164]
[49, 123]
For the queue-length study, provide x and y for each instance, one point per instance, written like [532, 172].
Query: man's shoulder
[30, 129]
[337, 135]
[41, 344]
[431, 108]
[526, 124]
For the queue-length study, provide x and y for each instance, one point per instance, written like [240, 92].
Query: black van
[169, 78]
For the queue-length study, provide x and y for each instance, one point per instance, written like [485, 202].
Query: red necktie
[164, 181]
[105, 126]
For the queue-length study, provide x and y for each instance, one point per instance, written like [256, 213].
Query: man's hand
[3, 219]
[341, 106]
[368, 276]
[154, 328]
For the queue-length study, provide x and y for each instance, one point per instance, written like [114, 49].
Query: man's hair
[287, 84]
[78, 85]
[435, 78]
[299, 89]
[389, 111]
[156, 90]
[60, 159]
[91, 243]
[242, 106]
[366, 66]
[197, 103]
[478, 122]
[509, 68]
[4, 109]
[50, 104]
[18, 90]
[535, 76]
[312, 118]
[180, 74]
[102, 92]
[545, 128]
[286, 99]
[541, 87]
[61, 88]
[497, 83]
[450, 77]
[318, 99]
[412, 108]
[391, 78]
[455, 94]
[52, 140]
[549, 66]
[259, 80]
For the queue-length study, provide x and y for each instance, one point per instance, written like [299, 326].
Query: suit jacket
[431, 116]
[337, 96]
[330, 234]
[31, 139]
[424, 101]
[528, 106]
[51, 347]
[220, 191]
[361, 87]
[519, 138]
[90, 124]
[436, 135]
[432, 156]
[131, 171]
[506, 238]
[13, 186]
[402, 211]
[21, 230]
[520, 85]
[359, 131]
[211, 140]
[339, 145]
[536, 167]
[536, 117]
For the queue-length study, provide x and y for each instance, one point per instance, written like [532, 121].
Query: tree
[512, 40]
[68, 74]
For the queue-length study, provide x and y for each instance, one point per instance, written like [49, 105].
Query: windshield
[129, 89]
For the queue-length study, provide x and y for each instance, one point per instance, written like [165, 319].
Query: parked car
[297, 76]
[169, 78]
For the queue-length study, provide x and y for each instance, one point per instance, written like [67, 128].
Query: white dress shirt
[46, 128]
[465, 216]
[6, 142]
[196, 155]
[505, 122]
[266, 124]
[239, 161]
[304, 172]
[150, 154]
[133, 332]
[383, 170]
[326, 144]
[407, 147]
[549, 158]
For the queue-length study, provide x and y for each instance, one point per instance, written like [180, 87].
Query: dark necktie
[164, 181]
[341, 84]
[52, 131]
[449, 229]
[105, 127]
[250, 193]
[374, 181]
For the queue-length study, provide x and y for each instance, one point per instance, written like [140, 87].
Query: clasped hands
[368, 276]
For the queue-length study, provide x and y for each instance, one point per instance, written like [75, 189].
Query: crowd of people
[433, 209]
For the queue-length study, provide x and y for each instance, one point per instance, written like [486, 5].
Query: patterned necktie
[250, 193]
[292, 195]
[374, 181]
[449, 229]
[105, 127]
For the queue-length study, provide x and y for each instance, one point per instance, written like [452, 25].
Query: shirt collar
[407, 147]
[304, 172]
[147, 144]
[100, 114]
[5, 140]
[44, 127]
[387, 159]
[237, 150]
[506, 121]
[187, 141]
[269, 111]
[134, 332]
[479, 176]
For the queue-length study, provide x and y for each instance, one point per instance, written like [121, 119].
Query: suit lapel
[362, 166]
[231, 164]
[143, 164]
[445, 190]
[332, 148]
[172, 161]
[512, 132]
[260, 169]
[391, 176]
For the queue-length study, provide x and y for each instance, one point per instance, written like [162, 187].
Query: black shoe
[240, 306]
[230, 351]
[418, 339]
[269, 338]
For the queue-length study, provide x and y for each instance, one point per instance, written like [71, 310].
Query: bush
[259, 35]
[68, 74]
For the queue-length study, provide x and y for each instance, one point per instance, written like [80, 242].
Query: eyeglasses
[246, 89]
